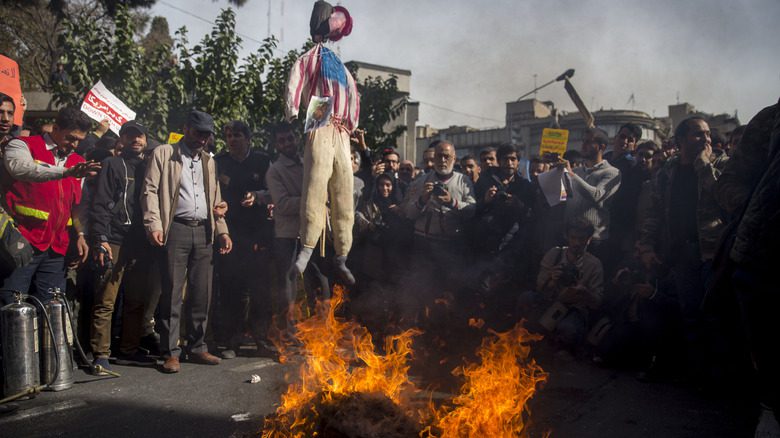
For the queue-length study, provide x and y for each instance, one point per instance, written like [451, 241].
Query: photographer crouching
[569, 287]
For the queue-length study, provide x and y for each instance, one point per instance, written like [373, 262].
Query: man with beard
[441, 202]
[503, 200]
[684, 225]
[118, 236]
[183, 214]
[592, 187]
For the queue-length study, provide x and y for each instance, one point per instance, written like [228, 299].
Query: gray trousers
[187, 255]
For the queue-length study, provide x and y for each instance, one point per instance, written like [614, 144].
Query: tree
[30, 31]
[380, 104]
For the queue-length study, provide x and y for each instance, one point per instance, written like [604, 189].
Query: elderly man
[182, 207]
[441, 202]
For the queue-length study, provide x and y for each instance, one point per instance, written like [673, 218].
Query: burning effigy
[343, 387]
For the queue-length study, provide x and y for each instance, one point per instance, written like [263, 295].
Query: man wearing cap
[118, 238]
[183, 213]
[326, 159]
[42, 196]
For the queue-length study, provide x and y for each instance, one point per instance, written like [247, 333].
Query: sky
[471, 57]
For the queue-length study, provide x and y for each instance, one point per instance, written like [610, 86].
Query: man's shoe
[99, 366]
[204, 358]
[151, 343]
[137, 359]
[171, 365]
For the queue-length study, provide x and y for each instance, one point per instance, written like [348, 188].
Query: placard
[100, 104]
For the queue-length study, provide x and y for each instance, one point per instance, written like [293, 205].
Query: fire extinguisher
[56, 351]
[19, 330]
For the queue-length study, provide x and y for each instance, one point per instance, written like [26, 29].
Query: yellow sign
[554, 141]
[174, 137]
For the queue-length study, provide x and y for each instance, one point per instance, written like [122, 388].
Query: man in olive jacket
[183, 212]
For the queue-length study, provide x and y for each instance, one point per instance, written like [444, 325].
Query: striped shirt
[592, 188]
[319, 72]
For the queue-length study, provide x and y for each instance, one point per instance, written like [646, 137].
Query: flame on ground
[338, 360]
[493, 399]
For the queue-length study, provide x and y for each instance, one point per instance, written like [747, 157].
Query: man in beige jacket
[183, 214]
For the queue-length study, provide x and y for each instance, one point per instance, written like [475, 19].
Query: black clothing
[115, 205]
[497, 218]
[682, 206]
[236, 179]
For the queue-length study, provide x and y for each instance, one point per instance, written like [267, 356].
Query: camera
[502, 195]
[569, 275]
[438, 189]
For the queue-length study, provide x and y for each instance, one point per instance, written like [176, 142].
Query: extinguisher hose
[95, 369]
[53, 341]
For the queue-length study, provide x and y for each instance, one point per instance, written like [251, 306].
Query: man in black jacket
[118, 236]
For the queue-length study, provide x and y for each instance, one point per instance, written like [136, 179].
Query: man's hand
[706, 154]
[225, 244]
[359, 138]
[102, 256]
[83, 248]
[426, 194]
[81, 170]
[220, 209]
[156, 238]
[490, 195]
[249, 200]
[564, 164]
[445, 198]
[102, 128]
[379, 168]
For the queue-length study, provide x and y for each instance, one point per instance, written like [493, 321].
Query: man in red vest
[45, 189]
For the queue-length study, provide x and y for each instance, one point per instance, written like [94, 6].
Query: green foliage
[380, 104]
[162, 82]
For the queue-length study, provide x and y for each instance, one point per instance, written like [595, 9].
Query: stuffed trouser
[327, 172]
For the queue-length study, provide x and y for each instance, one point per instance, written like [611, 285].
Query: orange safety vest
[43, 210]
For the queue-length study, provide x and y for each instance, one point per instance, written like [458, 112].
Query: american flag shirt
[319, 72]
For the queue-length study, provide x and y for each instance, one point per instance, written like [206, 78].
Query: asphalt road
[579, 400]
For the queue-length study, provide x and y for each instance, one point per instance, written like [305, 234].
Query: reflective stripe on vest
[37, 214]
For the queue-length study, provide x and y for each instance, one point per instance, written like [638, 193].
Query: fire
[339, 362]
[332, 346]
[494, 396]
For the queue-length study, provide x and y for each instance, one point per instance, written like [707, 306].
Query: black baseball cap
[200, 121]
[132, 124]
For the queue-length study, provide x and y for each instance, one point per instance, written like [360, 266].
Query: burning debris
[344, 388]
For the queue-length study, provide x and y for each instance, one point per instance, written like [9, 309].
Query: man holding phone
[42, 196]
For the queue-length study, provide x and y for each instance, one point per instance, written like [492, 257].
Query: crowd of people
[658, 257]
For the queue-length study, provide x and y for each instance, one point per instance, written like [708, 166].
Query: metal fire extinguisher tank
[19, 329]
[62, 342]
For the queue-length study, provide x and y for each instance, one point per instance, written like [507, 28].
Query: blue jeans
[45, 272]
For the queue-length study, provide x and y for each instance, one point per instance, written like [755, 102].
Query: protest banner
[10, 85]
[100, 104]
[554, 141]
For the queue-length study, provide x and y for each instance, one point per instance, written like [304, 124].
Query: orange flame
[332, 346]
[493, 399]
[338, 358]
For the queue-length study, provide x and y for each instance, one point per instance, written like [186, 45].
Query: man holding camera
[503, 199]
[572, 280]
[441, 202]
